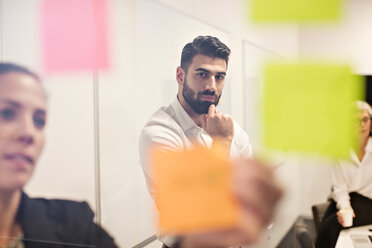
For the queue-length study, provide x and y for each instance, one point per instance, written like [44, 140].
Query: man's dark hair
[9, 67]
[205, 45]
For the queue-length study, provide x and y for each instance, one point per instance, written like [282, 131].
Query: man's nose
[211, 84]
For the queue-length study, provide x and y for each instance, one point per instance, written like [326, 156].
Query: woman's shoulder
[56, 221]
[65, 210]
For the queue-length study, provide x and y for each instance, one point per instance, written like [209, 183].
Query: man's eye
[220, 77]
[7, 114]
[202, 74]
[39, 121]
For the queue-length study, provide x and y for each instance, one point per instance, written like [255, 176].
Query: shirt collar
[182, 117]
[369, 145]
[368, 149]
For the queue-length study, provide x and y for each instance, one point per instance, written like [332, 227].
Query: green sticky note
[295, 10]
[308, 107]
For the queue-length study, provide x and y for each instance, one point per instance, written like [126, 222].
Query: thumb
[204, 121]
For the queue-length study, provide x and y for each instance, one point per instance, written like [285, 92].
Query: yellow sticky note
[295, 10]
[193, 190]
[308, 107]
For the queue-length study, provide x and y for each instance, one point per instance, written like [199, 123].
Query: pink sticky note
[74, 35]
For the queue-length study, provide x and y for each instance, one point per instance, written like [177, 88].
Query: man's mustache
[207, 92]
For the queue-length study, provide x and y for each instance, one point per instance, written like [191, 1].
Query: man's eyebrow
[208, 71]
[41, 111]
[11, 102]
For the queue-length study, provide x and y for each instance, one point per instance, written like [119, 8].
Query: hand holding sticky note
[203, 195]
[194, 190]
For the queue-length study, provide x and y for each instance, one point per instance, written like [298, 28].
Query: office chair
[318, 213]
[304, 237]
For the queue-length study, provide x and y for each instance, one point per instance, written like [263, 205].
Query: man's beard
[199, 106]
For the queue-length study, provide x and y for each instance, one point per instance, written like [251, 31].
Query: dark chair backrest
[318, 213]
[304, 237]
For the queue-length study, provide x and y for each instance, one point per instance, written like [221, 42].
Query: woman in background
[352, 186]
[34, 222]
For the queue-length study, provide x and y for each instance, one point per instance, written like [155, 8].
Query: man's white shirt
[171, 128]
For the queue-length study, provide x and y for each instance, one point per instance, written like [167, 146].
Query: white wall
[147, 38]
[349, 40]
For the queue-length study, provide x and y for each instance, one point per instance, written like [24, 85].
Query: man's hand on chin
[219, 126]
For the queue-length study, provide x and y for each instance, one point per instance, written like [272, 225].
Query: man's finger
[204, 121]
[211, 110]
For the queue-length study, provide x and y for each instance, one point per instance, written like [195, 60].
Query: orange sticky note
[193, 190]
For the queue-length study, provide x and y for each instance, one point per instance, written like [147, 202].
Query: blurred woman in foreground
[24, 221]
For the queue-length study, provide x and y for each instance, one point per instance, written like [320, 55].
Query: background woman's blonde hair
[362, 105]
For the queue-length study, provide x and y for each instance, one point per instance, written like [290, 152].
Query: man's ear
[180, 75]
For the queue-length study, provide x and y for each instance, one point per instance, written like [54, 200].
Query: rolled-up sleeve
[340, 188]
